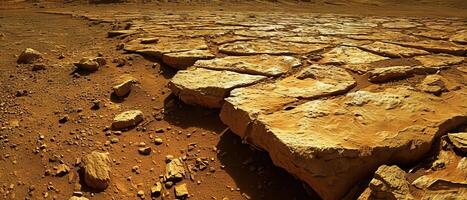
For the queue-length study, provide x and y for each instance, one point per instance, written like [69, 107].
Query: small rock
[29, 56]
[140, 193]
[78, 198]
[97, 170]
[90, 64]
[156, 189]
[62, 169]
[127, 119]
[38, 66]
[123, 88]
[63, 119]
[158, 141]
[114, 140]
[181, 191]
[144, 150]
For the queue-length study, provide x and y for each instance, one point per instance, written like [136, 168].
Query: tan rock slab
[459, 37]
[349, 55]
[392, 50]
[459, 140]
[333, 143]
[124, 88]
[207, 87]
[181, 190]
[97, 170]
[439, 60]
[434, 84]
[164, 46]
[174, 170]
[435, 46]
[127, 119]
[265, 65]
[185, 59]
[268, 47]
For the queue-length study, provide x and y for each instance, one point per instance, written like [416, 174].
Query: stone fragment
[124, 88]
[265, 65]
[181, 191]
[97, 170]
[332, 143]
[127, 119]
[208, 87]
[349, 55]
[158, 141]
[185, 59]
[392, 50]
[156, 189]
[459, 37]
[459, 140]
[90, 63]
[174, 170]
[389, 182]
[268, 47]
[29, 56]
[401, 24]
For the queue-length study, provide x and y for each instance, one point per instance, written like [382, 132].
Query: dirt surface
[48, 117]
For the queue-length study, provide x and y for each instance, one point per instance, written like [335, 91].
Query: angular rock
[435, 46]
[385, 74]
[185, 59]
[124, 88]
[29, 56]
[127, 119]
[349, 55]
[174, 170]
[268, 47]
[331, 144]
[245, 104]
[181, 191]
[164, 46]
[389, 182]
[97, 170]
[156, 189]
[392, 50]
[439, 61]
[433, 84]
[459, 37]
[208, 87]
[459, 140]
[265, 65]
[62, 169]
[90, 63]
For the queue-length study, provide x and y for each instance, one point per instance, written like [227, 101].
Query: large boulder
[331, 144]
[97, 170]
[208, 88]
[29, 56]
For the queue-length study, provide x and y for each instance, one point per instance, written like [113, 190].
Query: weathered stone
[265, 65]
[459, 140]
[268, 47]
[459, 37]
[208, 87]
[90, 63]
[97, 170]
[245, 104]
[333, 143]
[156, 189]
[61, 170]
[389, 182]
[439, 60]
[349, 55]
[185, 59]
[228, 39]
[392, 50]
[385, 74]
[174, 170]
[433, 84]
[435, 46]
[127, 119]
[124, 88]
[181, 191]
[164, 46]
[29, 56]
[78, 198]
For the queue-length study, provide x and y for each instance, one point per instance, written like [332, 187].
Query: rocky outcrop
[331, 144]
[439, 61]
[97, 170]
[265, 65]
[127, 119]
[208, 87]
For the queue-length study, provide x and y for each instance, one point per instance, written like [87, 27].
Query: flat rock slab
[185, 59]
[268, 47]
[435, 46]
[315, 81]
[343, 55]
[392, 50]
[265, 65]
[459, 140]
[207, 87]
[127, 119]
[164, 46]
[439, 60]
[459, 37]
[97, 170]
[331, 144]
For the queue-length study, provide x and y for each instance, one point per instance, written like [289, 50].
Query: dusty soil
[33, 141]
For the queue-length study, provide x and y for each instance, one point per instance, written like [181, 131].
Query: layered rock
[459, 141]
[333, 143]
[389, 182]
[439, 61]
[185, 59]
[164, 46]
[392, 50]
[435, 46]
[97, 170]
[265, 65]
[268, 47]
[208, 88]
[29, 56]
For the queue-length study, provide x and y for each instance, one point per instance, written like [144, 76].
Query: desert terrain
[359, 99]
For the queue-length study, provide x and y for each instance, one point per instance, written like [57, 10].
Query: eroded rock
[439, 61]
[434, 84]
[185, 59]
[181, 191]
[392, 50]
[265, 65]
[174, 170]
[208, 87]
[389, 182]
[29, 56]
[459, 140]
[268, 47]
[97, 170]
[124, 88]
[127, 119]
[165, 46]
[90, 63]
[343, 55]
